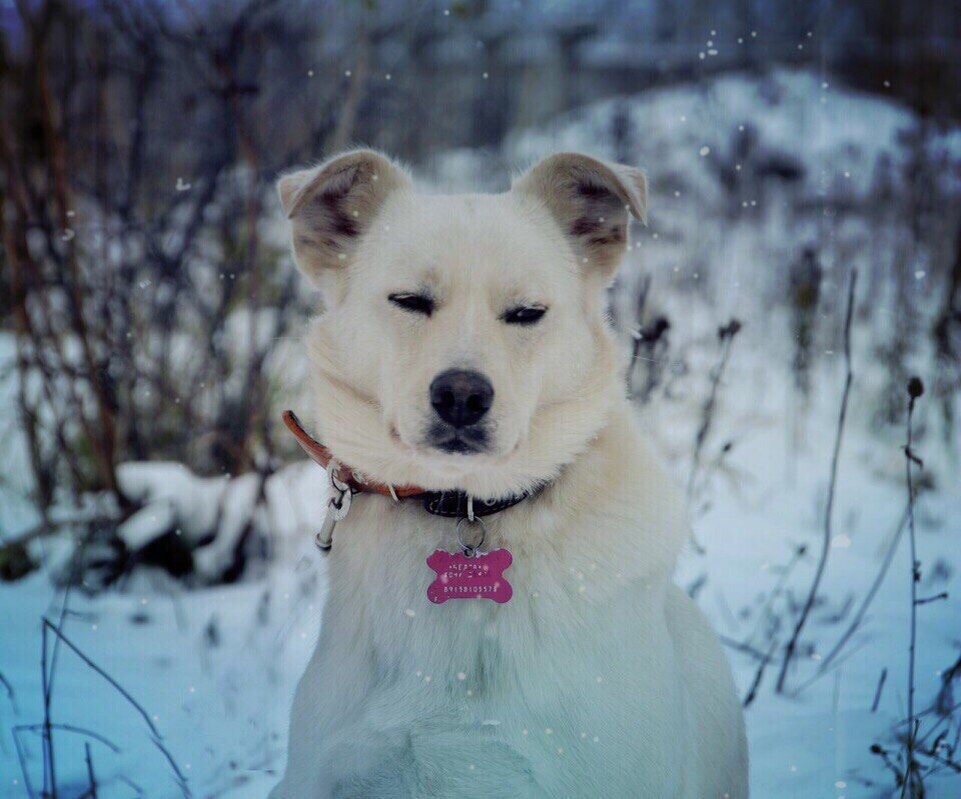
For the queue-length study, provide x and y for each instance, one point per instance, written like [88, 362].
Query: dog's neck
[450, 503]
[610, 509]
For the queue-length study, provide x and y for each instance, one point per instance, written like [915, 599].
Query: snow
[216, 666]
[802, 747]
[833, 130]
[147, 524]
[175, 499]
[215, 669]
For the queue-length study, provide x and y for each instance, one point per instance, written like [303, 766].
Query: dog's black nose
[461, 397]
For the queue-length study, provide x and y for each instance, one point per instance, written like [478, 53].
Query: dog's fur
[599, 677]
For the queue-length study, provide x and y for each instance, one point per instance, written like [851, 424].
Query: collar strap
[322, 456]
[455, 503]
[440, 503]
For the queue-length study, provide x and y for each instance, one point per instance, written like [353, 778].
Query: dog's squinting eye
[524, 315]
[415, 303]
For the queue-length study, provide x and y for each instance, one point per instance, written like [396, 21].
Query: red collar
[321, 455]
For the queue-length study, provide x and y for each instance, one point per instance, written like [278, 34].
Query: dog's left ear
[591, 200]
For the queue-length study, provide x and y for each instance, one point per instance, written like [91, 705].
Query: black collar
[455, 503]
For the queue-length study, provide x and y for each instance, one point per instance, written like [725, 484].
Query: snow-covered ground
[215, 668]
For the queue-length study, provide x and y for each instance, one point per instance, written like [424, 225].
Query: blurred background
[805, 181]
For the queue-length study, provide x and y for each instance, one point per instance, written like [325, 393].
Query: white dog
[464, 348]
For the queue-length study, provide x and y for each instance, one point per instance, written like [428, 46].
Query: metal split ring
[333, 468]
[471, 549]
[339, 504]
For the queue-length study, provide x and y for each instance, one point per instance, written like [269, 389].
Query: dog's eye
[415, 303]
[524, 315]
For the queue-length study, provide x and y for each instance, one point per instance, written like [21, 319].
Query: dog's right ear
[331, 206]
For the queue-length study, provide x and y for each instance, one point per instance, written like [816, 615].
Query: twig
[74, 729]
[948, 713]
[889, 764]
[740, 646]
[869, 597]
[129, 782]
[91, 779]
[799, 552]
[11, 694]
[22, 758]
[829, 508]
[76, 559]
[759, 674]
[154, 732]
[927, 599]
[47, 681]
[943, 699]
[819, 674]
[725, 334]
[877, 692]
[648, 338]
[49, 767]
[911, 772]
[944, 761]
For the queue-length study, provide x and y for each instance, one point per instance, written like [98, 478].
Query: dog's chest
[379, 573]
[576, 659]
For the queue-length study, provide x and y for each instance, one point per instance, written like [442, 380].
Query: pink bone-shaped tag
[477, 577]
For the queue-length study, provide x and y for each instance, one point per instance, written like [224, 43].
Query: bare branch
[829, 508]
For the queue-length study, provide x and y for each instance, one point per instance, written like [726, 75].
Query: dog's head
[464, 342]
